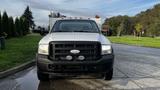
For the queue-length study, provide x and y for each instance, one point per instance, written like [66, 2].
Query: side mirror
[44, 32]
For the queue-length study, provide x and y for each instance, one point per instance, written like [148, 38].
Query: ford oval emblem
[75, 51]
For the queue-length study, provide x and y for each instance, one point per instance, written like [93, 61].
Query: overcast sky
[87, 8]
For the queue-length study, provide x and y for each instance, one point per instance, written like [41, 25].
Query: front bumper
[47, 66]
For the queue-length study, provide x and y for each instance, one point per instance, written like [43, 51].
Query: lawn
[142, 41]
[18, 51]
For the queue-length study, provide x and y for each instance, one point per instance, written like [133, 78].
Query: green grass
[18, 51]
[131, 40]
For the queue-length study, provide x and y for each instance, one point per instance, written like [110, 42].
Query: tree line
[146, 23]
[17, 27]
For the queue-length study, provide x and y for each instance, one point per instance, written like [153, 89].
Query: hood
[74, 36]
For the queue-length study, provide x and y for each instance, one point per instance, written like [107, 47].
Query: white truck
[74, 46]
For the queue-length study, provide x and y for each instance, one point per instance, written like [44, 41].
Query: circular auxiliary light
[69, 57]
[81, 57]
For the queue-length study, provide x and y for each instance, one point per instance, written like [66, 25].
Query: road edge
[16, 69]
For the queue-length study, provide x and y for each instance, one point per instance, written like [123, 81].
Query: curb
[17, 69]
[136, 45]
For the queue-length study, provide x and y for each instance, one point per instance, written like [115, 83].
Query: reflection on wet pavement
[59, 85]
[135, 68]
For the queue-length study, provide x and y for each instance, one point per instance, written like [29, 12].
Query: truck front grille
[59, 50]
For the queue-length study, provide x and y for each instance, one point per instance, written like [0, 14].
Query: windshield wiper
[81, 31]
[61, 31]
[75, 31]
[86, 31]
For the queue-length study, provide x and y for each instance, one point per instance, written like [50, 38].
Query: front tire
[42, 77]
[108, 75]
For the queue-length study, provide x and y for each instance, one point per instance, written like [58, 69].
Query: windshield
[75, 26]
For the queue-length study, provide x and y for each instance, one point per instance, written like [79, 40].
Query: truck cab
[76, 47]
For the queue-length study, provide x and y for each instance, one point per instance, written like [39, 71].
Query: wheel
[42, 76]
[108, 75]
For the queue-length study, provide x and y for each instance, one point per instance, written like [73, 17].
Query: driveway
[134, 68]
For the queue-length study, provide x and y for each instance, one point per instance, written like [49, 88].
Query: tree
[154, 28]
[120, 29]
[58, 15]
[0, 25]
[114, 23]
[21, 26]
[138, 28]
[97, 16]
[17, 27]
[145, 19]
[29, 18]
[11, 27]
[128, 25]
[26, 27]
[5, 24]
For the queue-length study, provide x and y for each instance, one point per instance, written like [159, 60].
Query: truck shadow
[59, 85]
[91, 84]
[73, 83]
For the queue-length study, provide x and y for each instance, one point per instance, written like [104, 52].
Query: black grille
[90, 50]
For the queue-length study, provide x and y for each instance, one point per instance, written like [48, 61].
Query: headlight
[43, 49]
[106, 49]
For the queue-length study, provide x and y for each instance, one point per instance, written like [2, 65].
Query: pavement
[135, 68]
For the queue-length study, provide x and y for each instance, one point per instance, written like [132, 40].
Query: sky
[84, 8]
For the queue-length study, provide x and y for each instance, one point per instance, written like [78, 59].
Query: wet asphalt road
[135, 68]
